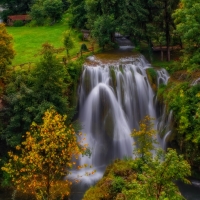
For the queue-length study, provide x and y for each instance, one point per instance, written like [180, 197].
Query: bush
[18, 23]
[80, 36]
[84, 47]
[118, 184]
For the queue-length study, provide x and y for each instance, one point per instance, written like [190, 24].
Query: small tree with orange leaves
[145, 138]
[45, 157]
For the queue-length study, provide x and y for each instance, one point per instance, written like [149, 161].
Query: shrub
[80, 36]
[118, 184]
[18, 23]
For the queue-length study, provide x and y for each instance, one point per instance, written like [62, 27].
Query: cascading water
[113, 98]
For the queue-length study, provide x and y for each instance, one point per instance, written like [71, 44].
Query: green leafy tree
[53, 9]
[41, 11]
[29, 95]
[103, 30]
[157, 178]
[163, 21]
[188, 24]
[102, 19]
[44, 158]
[68, 42]
[78, 13]
[37, 13]
[148, 176]
[6, 49]
[184, 101]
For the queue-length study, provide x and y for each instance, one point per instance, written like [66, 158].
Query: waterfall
[114, 96]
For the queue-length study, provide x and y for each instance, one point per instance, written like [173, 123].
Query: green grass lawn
[28, 41]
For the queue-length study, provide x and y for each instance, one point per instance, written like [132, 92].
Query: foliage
[6, 49]
[68, 42]
[187, 25]
[48, 9]
[160, 92]
[139, 179]
[18, 23]
[53, 9]
[45, 157]
[37, 13]
[103, 30]
[183, 100]
[77, 13]
[74, 69]
[84, 47]
[152, 77]
[118, 184]
[29, 95]
[145, 139]
[157, 180]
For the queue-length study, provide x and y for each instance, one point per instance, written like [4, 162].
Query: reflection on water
[190, 192]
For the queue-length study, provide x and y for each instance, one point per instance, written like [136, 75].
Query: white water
[113, 99]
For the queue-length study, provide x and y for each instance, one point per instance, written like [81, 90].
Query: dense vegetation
[28, 94]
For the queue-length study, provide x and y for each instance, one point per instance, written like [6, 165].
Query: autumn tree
[45, 157]
[144, 138]
[6, 49]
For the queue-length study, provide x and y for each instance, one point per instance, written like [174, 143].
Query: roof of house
[19, 17]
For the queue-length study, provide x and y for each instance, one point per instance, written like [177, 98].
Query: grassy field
[28, 41]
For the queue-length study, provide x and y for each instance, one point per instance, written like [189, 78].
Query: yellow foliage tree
[45, 157]
[145, 138]
[6, 49]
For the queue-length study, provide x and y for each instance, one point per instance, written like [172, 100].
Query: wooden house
[12, 18]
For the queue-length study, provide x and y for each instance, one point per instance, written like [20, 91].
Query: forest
[41, 64]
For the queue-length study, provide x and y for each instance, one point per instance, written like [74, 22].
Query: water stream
[114, 95]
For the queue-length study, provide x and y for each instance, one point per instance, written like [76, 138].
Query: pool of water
[190, 192]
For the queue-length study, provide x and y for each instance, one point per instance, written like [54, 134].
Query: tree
[48, 9]
[6, 49]
[37, 13]
[103, 30]
[45, 158]
[184, 100]
[68, 42]
[148, 176]
[103, 18]
[164, 22]
[29, 95]
[78, 13]
[145, 139]
[157, 178]
[188, 24]
[53, 9]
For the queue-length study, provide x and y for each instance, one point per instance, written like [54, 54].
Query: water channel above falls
[114, 95]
